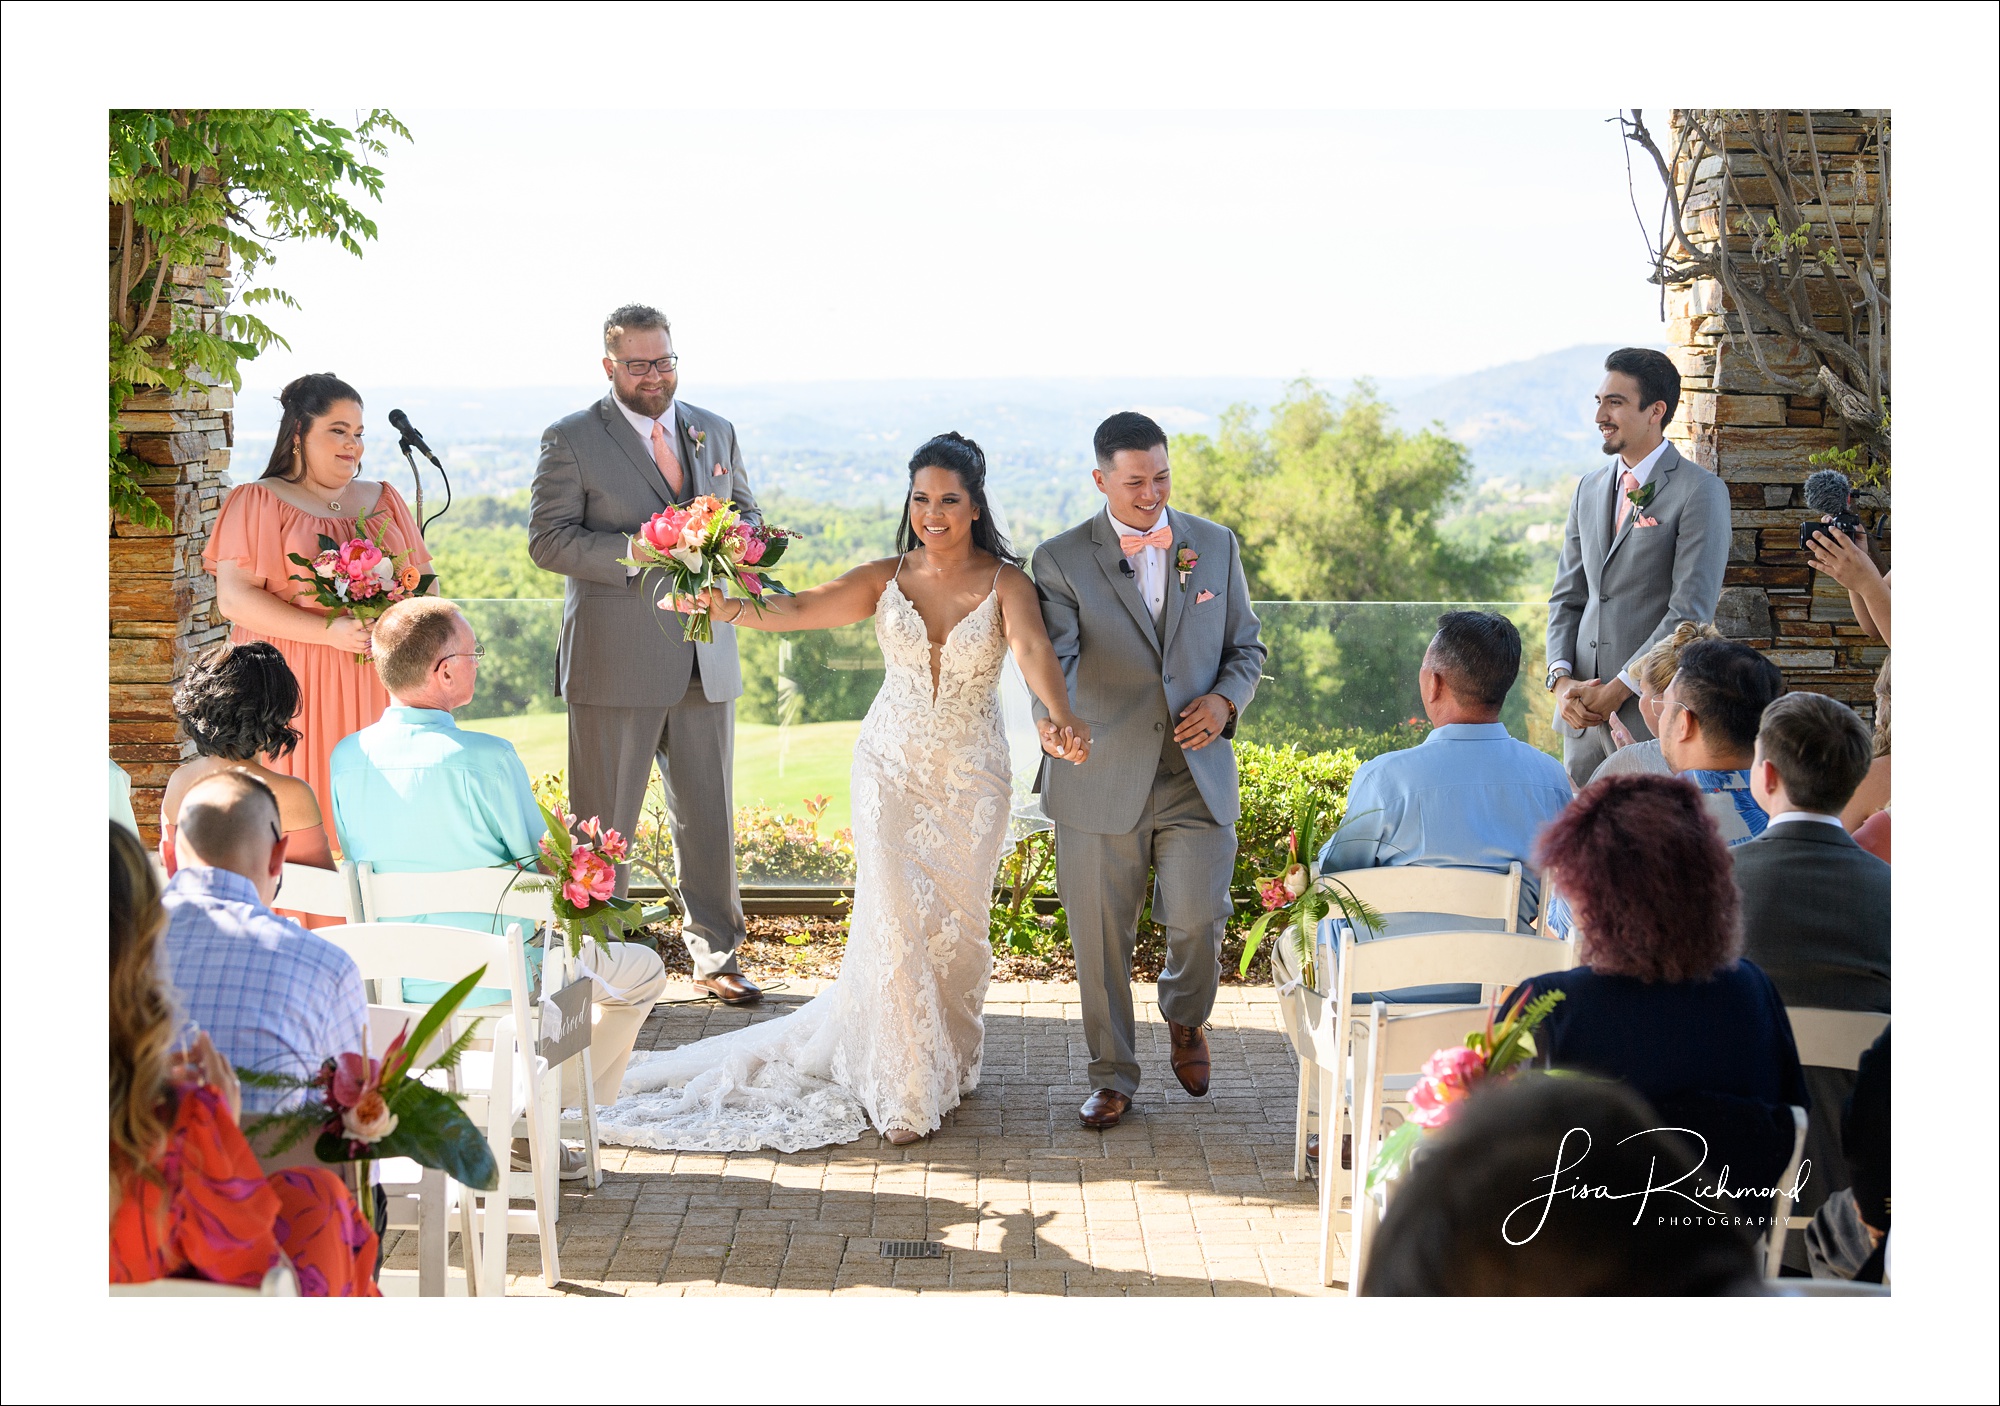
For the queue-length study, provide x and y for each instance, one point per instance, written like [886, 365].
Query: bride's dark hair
[958, 455]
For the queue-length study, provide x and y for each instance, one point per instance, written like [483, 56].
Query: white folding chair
[1826, 1039]
[1492, 961]
[1395, 1046]
[498, 892]
[1774, 1239]
[1409, 888]
[502, 1083]
[280, 1282]
[324, 893]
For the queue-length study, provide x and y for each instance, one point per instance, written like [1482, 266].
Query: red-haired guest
[1664, 1000]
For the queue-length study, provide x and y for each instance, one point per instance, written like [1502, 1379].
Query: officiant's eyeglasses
[640, 368]
[478, 651]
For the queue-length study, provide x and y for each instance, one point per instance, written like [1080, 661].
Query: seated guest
[416, 794]
[1873, 835]
[1469, 796]
[1474, 1216]
[1664, 1000]
[1655, 671]
[1871, 797]
[1708, 728]
[1815, 904]
[188, 1198]
[274, 997]
[236, 703]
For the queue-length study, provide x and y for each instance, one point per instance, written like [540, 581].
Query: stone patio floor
[1186, 1197]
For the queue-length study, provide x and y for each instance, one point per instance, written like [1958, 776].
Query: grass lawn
[776, 766]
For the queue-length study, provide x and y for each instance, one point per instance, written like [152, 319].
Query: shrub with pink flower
[359, 576]
[707, 544]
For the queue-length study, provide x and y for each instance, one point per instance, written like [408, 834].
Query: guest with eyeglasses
[417, 794]
[311, 488]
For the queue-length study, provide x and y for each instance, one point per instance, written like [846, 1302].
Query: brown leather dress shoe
[1104, 1108]
[1190, 1057]
[730, 988]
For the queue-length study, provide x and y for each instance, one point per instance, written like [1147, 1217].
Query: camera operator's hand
[1848, 562]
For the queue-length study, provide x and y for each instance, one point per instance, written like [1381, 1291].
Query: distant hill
[847, 442]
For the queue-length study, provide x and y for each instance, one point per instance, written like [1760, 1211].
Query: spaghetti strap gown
[257, 531]
[896, 1041]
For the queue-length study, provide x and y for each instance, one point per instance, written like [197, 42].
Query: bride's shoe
[901, 1137]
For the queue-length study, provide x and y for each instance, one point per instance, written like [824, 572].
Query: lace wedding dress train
[896, 1041]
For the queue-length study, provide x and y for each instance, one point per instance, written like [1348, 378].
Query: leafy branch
[187, 184]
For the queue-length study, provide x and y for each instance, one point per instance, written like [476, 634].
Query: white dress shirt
[1788, 815]
[1149, 564]
[642, 425]
[1642, 471]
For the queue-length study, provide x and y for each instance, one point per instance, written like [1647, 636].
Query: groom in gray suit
[1644, 549]
[1150, 615]
[636, 691]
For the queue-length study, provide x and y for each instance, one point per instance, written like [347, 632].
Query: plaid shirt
[271, 995]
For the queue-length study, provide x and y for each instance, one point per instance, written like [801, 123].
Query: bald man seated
[269, 994]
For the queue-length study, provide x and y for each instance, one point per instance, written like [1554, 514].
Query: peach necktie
[1630, 484]
[663, 455]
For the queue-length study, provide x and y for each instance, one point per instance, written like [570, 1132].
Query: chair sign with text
[565, 1023]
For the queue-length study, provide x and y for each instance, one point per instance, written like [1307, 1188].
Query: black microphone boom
[410, 438]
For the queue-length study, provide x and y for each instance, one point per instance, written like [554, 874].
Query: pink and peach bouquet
[360, 576]
[580, 873]
[708, 544]
[363, 1108]
[1449, 1077]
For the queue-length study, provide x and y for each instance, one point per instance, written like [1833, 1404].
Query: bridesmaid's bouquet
[360, 576]
[708, 544]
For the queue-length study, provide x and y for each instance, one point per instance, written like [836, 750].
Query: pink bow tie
[1161, 537]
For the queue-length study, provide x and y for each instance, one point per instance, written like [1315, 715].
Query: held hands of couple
[1070, 741]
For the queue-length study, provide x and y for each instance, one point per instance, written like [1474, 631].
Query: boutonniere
[1185, 561]
[1639, 497]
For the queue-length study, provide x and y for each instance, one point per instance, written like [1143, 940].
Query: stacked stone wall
[1757, 437]
[162, 601]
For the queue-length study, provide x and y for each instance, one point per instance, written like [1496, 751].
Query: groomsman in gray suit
[1150, 615]
[1644, 549]
[637, 692]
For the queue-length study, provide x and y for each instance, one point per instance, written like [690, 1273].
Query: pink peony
[591, 877]
[358, 555]
[1448, 1077]
[754, 548]
[663, 531]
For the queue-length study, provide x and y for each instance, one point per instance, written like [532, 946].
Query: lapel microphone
[1125, 565]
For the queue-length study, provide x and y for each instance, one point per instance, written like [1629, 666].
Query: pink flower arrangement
[359, 576]
[703, 545]
[1447, 1077]
[580, 860]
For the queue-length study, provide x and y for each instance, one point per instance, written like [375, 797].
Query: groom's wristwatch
[1554, 674]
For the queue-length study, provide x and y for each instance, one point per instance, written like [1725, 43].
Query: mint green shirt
[416, 794]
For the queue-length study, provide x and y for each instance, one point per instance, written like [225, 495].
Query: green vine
[186, 183]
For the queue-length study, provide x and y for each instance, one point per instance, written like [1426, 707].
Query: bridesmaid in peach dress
[309, 489]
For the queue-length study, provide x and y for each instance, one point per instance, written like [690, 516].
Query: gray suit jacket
[1816, 915]
[1614, 599]
[596, 484]
[1129, 679]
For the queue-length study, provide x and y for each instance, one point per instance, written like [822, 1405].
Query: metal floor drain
[912, 1250]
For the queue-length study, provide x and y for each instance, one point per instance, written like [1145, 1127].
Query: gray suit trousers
[1102, 881]
[1582, 756]
[612, 752]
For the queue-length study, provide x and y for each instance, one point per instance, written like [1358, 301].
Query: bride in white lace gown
[896, 1041]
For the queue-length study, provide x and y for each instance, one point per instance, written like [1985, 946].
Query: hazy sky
[835, 246]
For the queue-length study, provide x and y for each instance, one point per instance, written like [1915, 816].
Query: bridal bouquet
[1449, 1077]
[708, 544]
[360, 576]
[1294, 900]
[579, 873]
[366, 1108]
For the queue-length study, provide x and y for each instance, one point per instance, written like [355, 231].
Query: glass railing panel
[1339, 674]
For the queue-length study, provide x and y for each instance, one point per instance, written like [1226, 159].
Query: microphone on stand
[411, 438]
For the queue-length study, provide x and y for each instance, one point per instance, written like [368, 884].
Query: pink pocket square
[1200, 596]
[720, 470]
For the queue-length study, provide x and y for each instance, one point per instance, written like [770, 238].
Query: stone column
[162, 601]
[1735, 421]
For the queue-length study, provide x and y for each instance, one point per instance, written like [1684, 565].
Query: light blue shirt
[1470, 796]
[416, 794]
[1730, 803]
[272, 996]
